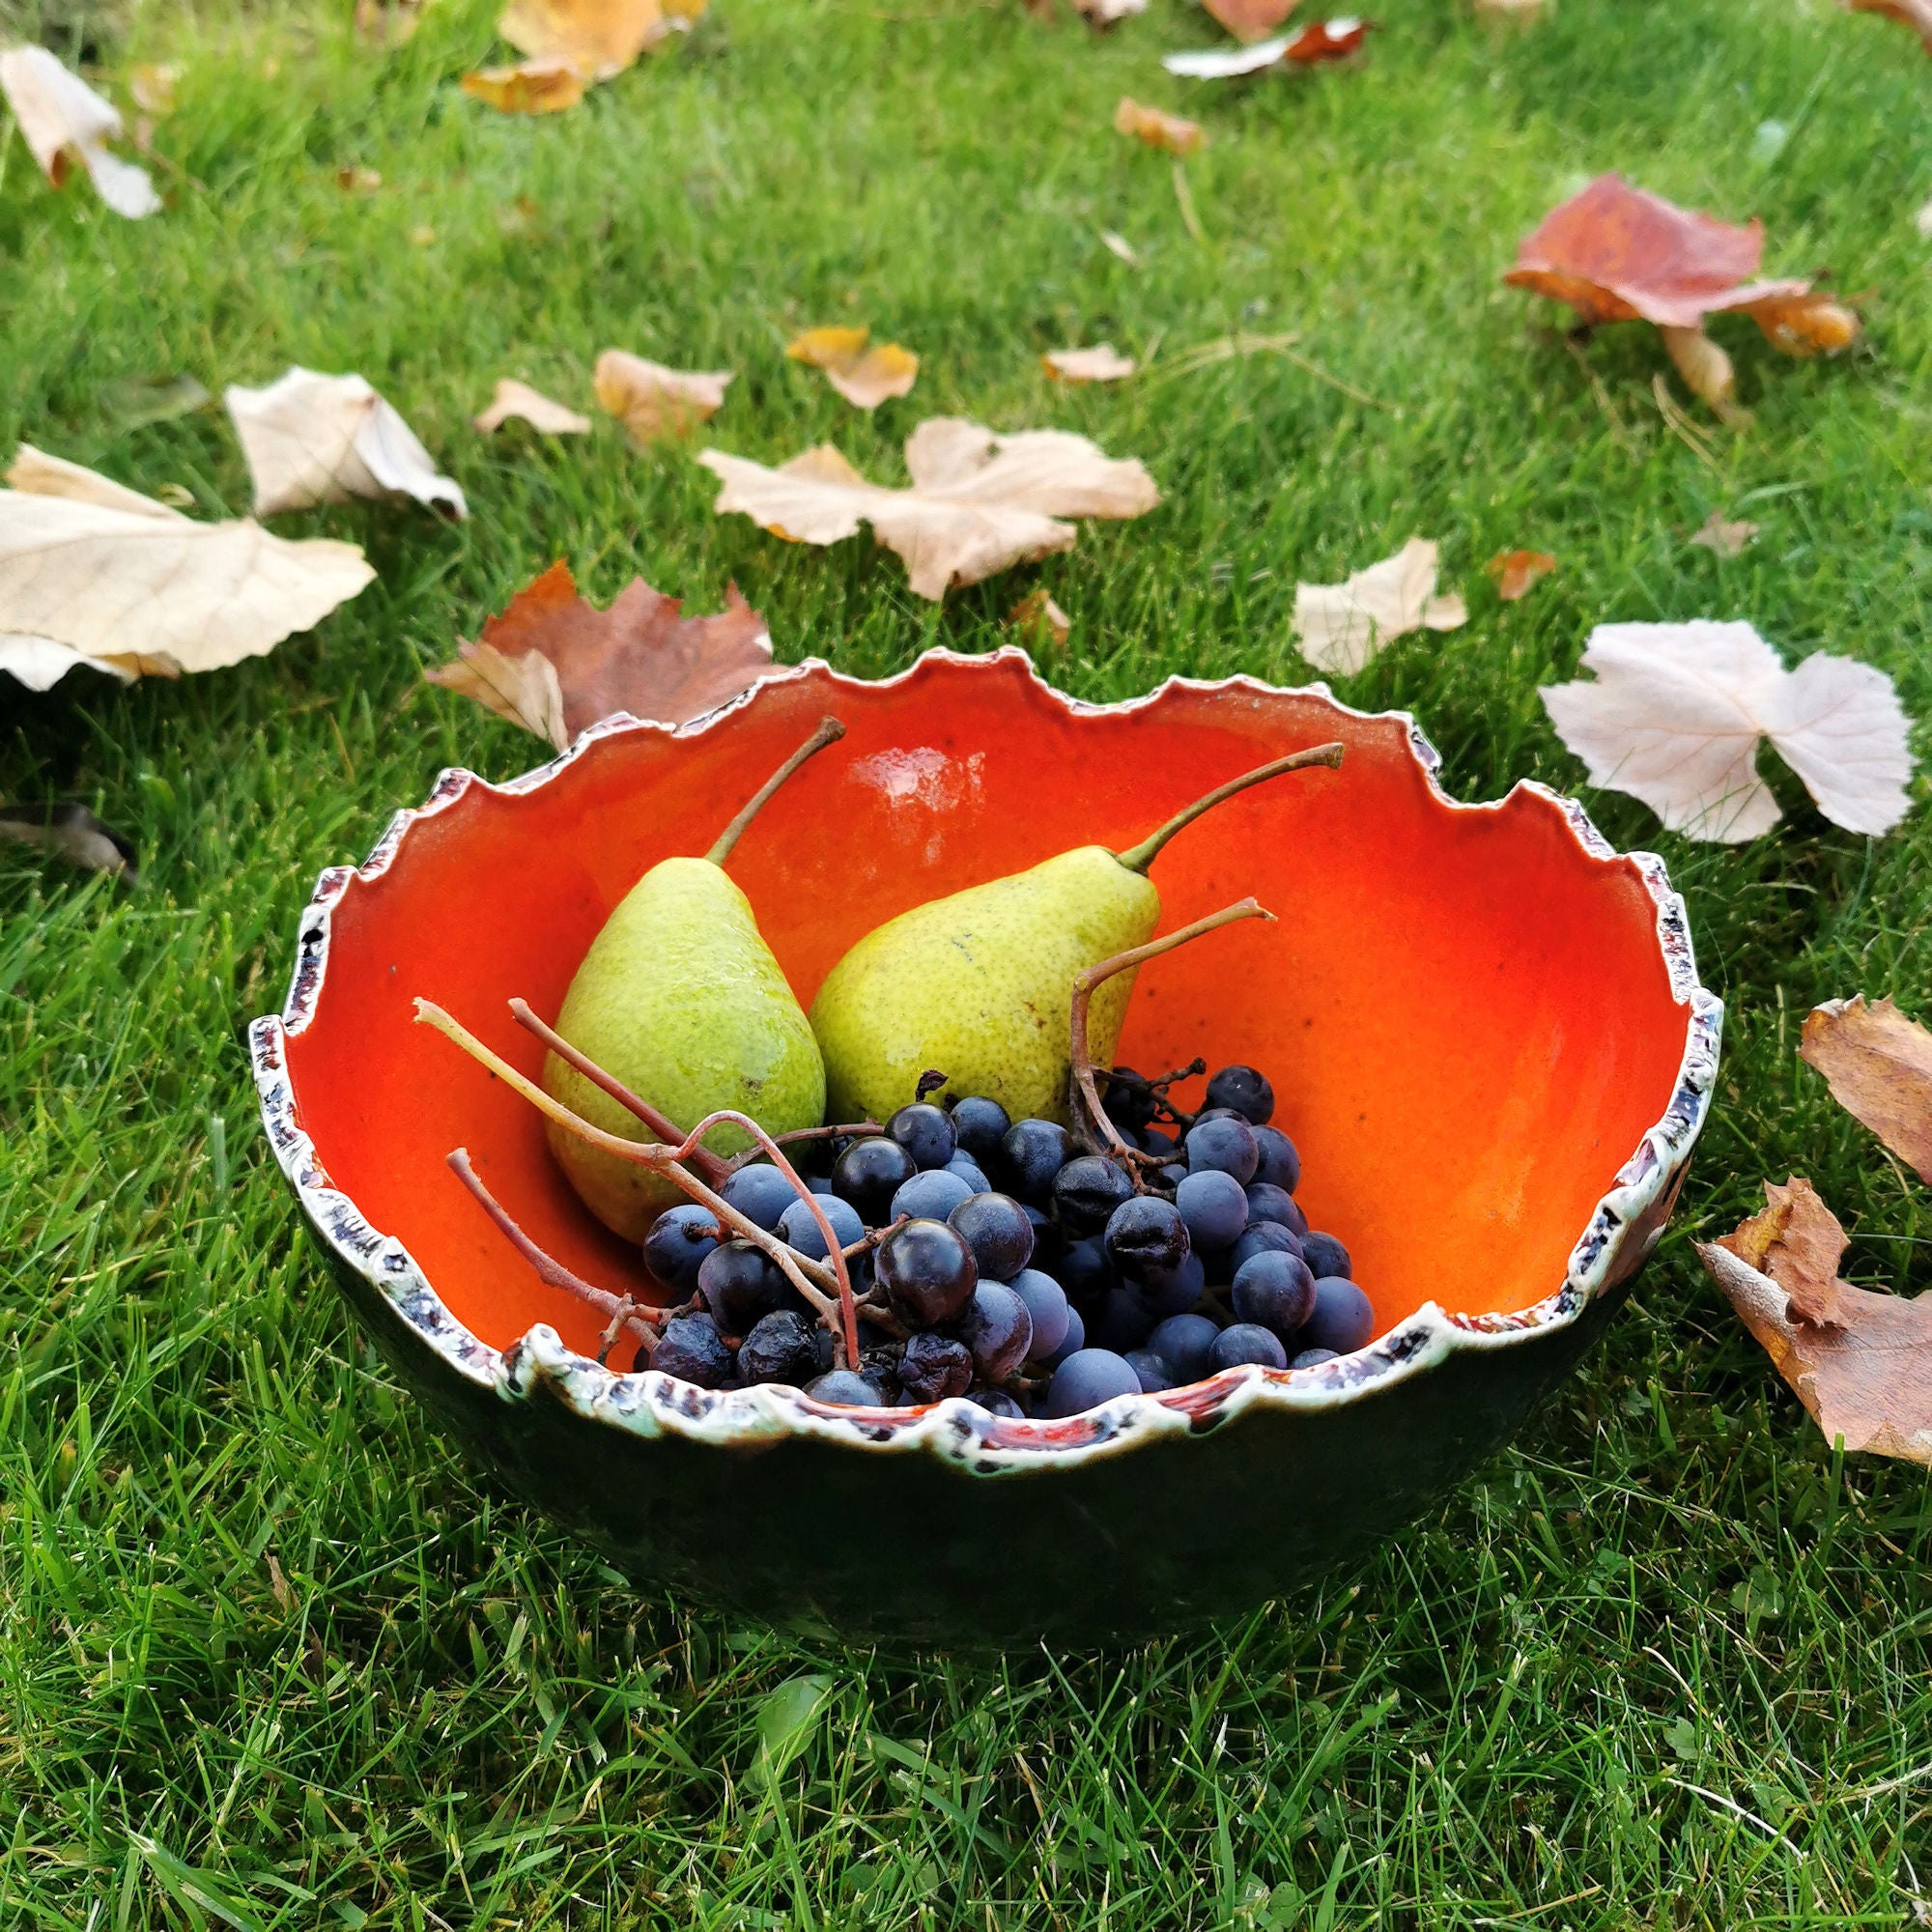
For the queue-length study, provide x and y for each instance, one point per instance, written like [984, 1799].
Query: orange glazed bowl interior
[1473, 1016]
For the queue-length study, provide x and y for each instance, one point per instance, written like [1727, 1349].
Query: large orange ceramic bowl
[1484, 1026]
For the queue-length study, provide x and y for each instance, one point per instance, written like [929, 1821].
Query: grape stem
[1090, 1118]
[797, 1135]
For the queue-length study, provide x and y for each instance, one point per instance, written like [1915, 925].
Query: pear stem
[1085, 1092]
[829, 732]
[1138, 858]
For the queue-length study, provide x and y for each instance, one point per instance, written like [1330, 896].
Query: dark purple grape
[1262, 1238]
[870, 1173]
[1086, 1380]
[1147, 1236]
[1224, 1145]
[979, 1125]
[1149, 1371]
[996, 1227]
[740, 1286]
[1268, 1203]
[1173, 1174]
[1073, 1342]
[997, 1402]
[926, 1271]
[1312, 1358]
[925, 1132]
[1214, 1207]
[1128, 1103]
[1032, 1152]
[997, 1328]
[842, 1389]
[1087, 1190]
[969, 1171]
[1174, 1291]
[1244, 1088]
[1280, 1163]
[679, 1240]
[1246, 1342]
[760, 1193]
[1047, 1240]
[819, 1183]
[1184, 1342]
[1325, 1255]
[692, 1350]
[1274, 1291]
[1152, 1140]
[1123, 1321]
[1343, 1318]
[930, 1195]
[1047, 1306]
[782, 1348]
[935, 1367]
[1082, 1271]
[799, 1229]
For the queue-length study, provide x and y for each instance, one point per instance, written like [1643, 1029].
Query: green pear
[680, 999]
[979, 985]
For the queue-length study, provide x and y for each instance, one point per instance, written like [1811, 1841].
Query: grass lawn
[268, 1656]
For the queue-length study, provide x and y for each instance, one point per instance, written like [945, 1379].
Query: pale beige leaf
[598, 38]
[1341, 626]
[1098, 364]
[865, 377]
[519, 399]
[112, 576]
[1878, 1064]
[311, 438]
[1724, 539]
[63, 121]
[978, 503]
[523, 688]
[1923, 222]
[1676, 713]
[1120, 247]
[652, 401]
[1157, 128]
[40, 663]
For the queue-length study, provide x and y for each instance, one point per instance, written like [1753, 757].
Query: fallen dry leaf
[153, 85]
[640, 656]
[978, 503]
[1677, 712]
[96, 574]
[1878, 1064]
[1250, 19]
[1324, 40]
[311, 438]
[1519, 571]
[1913, 14]
[1038, 611]
[1724, 539]
[1798, 1242]
[1119, 246]
[71, 831]
[1106, 14]
[519, 399]
[65, 123]
[598, 38]
[1706, 370]
[652, 401]
[1098, 364]
[530, 87]
[357, 180]
[1157, 128]
[865, 377]
[1341, 626]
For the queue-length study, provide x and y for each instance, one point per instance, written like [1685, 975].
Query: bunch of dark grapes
[998, 1261]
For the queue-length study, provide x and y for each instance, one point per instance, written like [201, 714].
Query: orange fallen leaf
[1250, 20]
[599, 38]
[1157, 128]
[640, 656]
[1038, 611]
[1724, 539]
[530, 87]
[518, 399]
[1878, 1064]
[1913, 14]
[1517, 571]
[1323, 41]
[865, 377]
[1798, 1242]
[1098, 364]
[652, 401]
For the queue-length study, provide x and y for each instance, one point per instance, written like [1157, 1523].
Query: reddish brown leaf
[1518, 572]
[1326, 41]
[1878, 1064]
[1798, 1242]
[1157, 126]
[639, 656]
[1250, 19]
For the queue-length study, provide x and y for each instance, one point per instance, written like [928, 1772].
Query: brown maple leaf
[1518, 572]
[1878, 1064]
[640, 656]
[1796, 1240]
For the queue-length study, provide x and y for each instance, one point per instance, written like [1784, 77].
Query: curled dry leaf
[1250, 20]
[1157, 128]
[96, 574]
[1341, 626]
[1677, 712]
[1878, 1064]
[1721, 538]
[530, 87]
[977, 504]
[1517, 571]
[518, 399]
[71, 831]
[1038, 611]
[1798, 1242]
[1324, 40]
[64, 124]
[1706, 370]
[865, 377]
[640, 656]
[1913, 14]
[652, 401]
[311, 438]
[1098, 364]
[598, 38]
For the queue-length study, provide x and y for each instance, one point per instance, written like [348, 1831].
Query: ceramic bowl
[1484, 1026]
